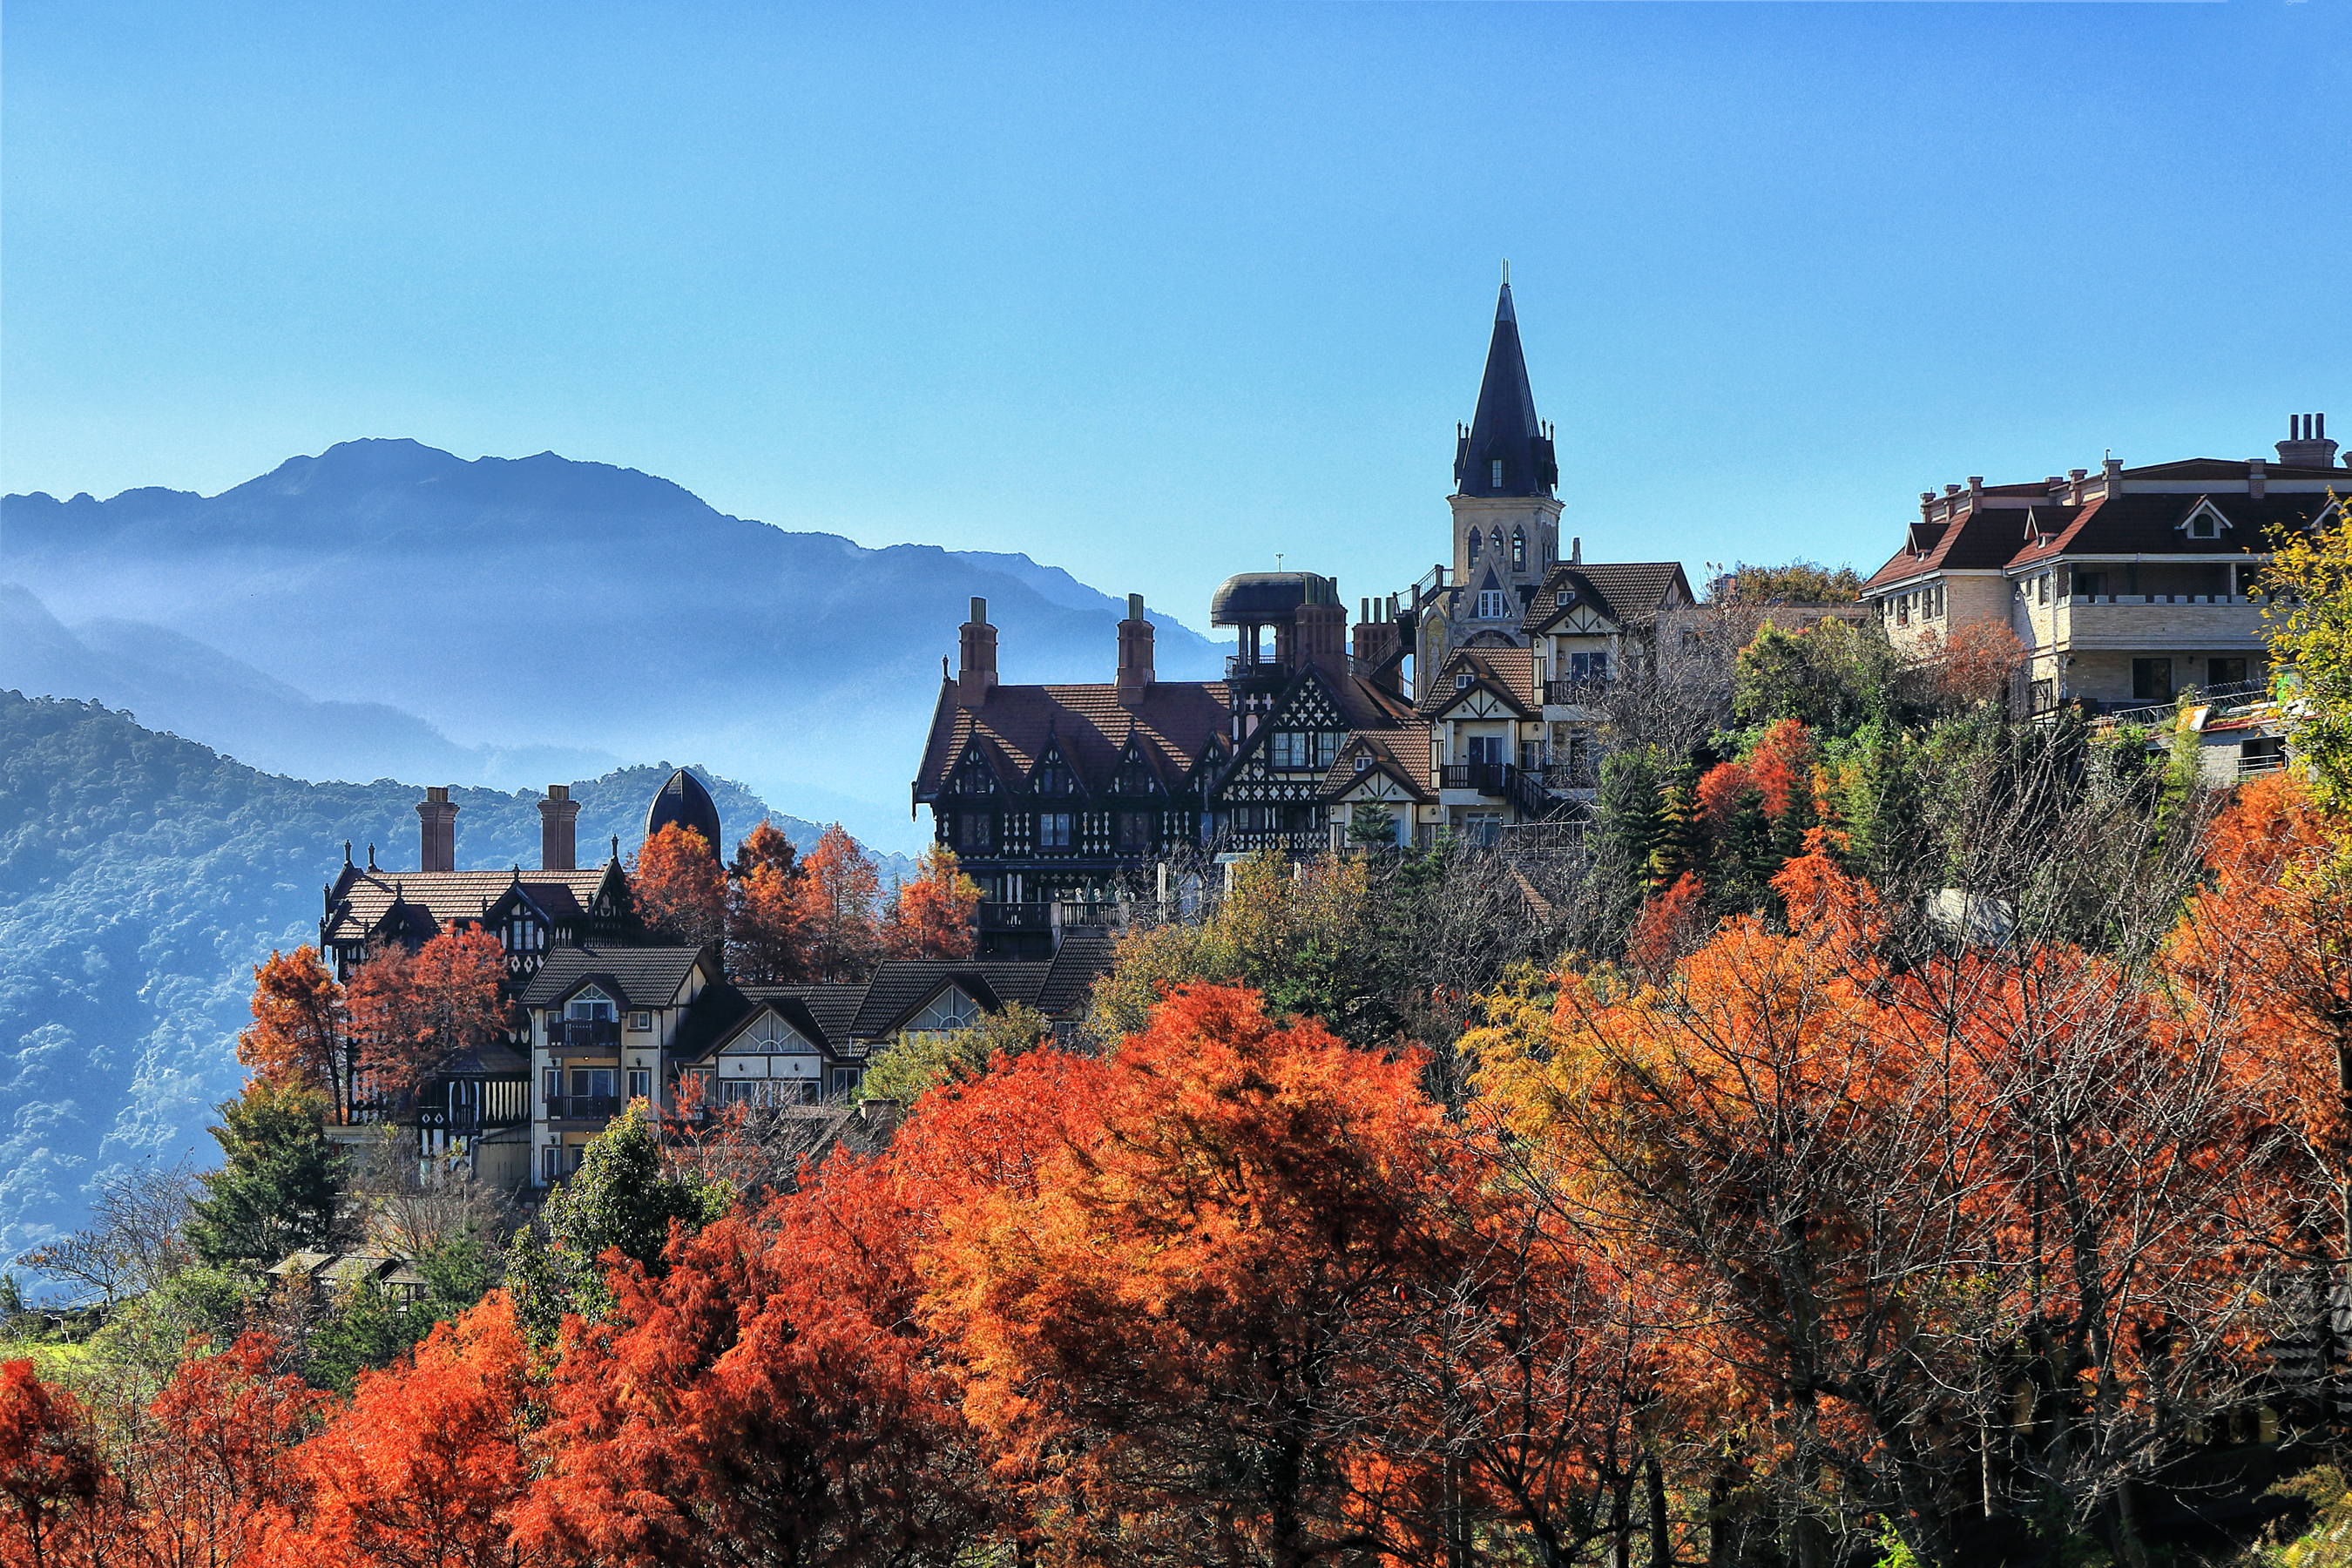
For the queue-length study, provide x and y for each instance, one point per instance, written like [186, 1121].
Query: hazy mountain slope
[173, 682]
[550, 603]
[141, 876]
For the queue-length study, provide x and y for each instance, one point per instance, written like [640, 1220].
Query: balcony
[1086, 912]
[601, 1036]
[1264, 667]
[999, 916]
[1486, 778]
[2142, 622]
[597, 1108]
[1572, 693]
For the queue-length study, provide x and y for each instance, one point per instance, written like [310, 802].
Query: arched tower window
[1475, 543]
[1518, 549]
[1495, 538]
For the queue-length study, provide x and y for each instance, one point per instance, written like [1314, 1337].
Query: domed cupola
[683, 801]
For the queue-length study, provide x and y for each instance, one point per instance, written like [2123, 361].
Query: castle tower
[1505, 517]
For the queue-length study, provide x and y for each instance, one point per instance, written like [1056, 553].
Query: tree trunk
[1662, 1540]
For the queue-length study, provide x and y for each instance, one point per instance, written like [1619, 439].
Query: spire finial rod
[1506, 272]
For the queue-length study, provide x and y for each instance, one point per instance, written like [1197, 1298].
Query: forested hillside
[142, 876]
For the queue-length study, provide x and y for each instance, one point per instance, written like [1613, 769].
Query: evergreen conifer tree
[1680, 844]
[280, 1186]
[1626, 818]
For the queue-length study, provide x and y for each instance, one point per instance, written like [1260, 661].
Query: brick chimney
[1374, 644]
[559, 849]
[438, 846]
[2307, 445]
[1134, 654]
[977, 675]
[1322, 635]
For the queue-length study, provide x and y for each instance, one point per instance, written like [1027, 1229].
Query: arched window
[1495, 538]
[1476, 542]
[1518, 549]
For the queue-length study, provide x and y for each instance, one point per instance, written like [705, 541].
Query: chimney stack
[978, 675]
[2307, 445]
[438, 848]
[1134, 654]
[2257, 478]
[559, 849]
[1576, 549]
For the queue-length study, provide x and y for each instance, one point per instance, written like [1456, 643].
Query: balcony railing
[582, 1107]
[2162, 599]
[1486, 778]
[467, 1120]
[1573, 693]
[1001, 916]
[1087, 913]
[1265, 668]
[588, 1035]
[2253, 762]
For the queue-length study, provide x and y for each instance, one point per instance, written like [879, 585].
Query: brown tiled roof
[1623, 591]
[362, 897]
[1984, 538]
[1070, 977]
[1402, 754]
[2125, 524]
[1508, 671]
[1172, 724]
[831, 1008]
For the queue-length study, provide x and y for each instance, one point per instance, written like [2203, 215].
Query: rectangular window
[1284, 749]
[1492, 604]
[842, 1082]
[554, 1082]
[2042, 589]
[550, 1162]
[1587, 667]
[1495, 475]
[2224, 671]
[972, 830]
[641, 1022]
[579, 1152]
[640, 1084]
[1485, 748]
[2152, 679]
[1134, 832]
[1326, 747]
[1053, 829]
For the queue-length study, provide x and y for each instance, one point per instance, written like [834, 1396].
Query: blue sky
[1153, 292]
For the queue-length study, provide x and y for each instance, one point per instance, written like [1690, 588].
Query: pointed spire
[1504, 429]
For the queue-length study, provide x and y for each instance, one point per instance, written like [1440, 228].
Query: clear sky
[1154, 292]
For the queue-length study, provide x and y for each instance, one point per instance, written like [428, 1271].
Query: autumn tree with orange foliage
[763, 910]
[1182, 1336]
[835, 895]
[53, 1477]
[210, 1466]
[680, 889]
[427, 1466]
[931, 917]
[770, 1399]
[1881, 1203]
[410, 1013]
[296, 1032]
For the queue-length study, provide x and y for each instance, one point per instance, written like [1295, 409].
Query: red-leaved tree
[51, 1474]
[836, 893]
[763, 909]
[410, 1013]
[931, 917]
[297, 1033]
[680, 889]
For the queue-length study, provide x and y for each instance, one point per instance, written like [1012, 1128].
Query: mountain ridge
[544, 602]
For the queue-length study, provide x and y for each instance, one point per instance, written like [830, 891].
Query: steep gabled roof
[1507, 672]
[1173, 723]
[1628, 593]
[362, 897]
[832, 1009]
[644, 976]
[1983, 540]
[724, 1011]
[900, 986]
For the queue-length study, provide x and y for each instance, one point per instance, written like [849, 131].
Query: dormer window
[1053, 777]
[1495, 475]
[1363, 765]
[2205, 522]
[1462, 682]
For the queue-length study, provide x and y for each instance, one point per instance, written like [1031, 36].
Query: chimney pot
[2307, 445]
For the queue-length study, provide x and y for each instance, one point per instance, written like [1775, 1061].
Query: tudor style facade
[2125, 588]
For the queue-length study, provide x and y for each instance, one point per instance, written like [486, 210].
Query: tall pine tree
[1626, 818]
